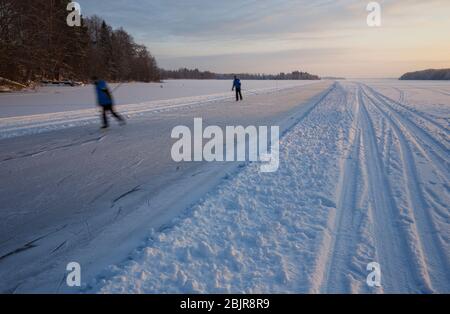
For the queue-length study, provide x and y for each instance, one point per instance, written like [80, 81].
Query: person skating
[237, 87]
[105, 101]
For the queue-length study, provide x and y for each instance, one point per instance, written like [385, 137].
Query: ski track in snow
[363, 178]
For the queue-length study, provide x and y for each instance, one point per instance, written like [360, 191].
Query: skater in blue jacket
[105, 100]
[237, 87]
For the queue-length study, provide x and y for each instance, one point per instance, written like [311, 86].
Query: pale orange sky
[323, 37]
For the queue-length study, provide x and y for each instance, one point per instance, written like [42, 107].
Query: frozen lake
[364, 177]
[74, 190]
[50, 99]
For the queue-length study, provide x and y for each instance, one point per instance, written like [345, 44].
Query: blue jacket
[237, 83]
[103, 96]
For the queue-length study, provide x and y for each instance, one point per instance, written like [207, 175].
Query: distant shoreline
[430, 74]
[185, 73]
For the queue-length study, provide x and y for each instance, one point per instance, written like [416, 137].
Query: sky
[324, 37]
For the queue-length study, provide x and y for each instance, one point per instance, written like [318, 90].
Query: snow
[75, 191]
[363, 178]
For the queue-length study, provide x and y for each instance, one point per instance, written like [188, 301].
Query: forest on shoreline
[430, 74]
[185, 73]
[37, 44]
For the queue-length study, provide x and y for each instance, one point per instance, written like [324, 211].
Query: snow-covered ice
[54, 108]
[51, 99]
[364, 177]
[75, 191]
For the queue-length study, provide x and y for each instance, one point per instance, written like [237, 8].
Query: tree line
[37, 44]
[185, 73]
[430, 74]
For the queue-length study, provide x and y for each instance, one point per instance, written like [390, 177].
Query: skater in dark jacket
[237, 87]
[105, 100]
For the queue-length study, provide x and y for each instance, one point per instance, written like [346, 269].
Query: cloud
[215, 34]
[222, 19]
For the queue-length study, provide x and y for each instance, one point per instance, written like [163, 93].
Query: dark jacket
[103, 94]
[237, 84]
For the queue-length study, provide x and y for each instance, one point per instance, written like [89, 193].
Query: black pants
[238, 94]
[110, 109]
